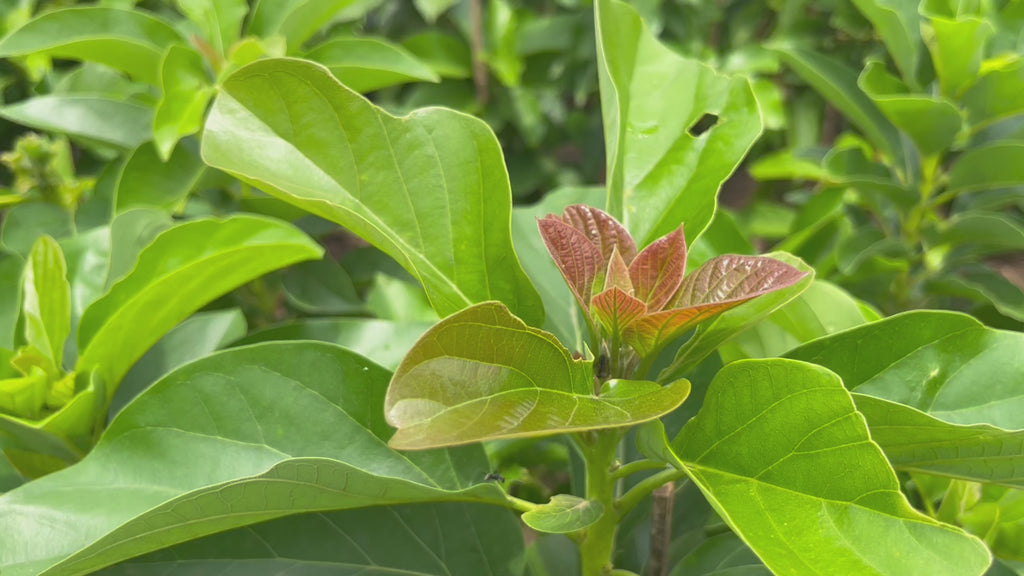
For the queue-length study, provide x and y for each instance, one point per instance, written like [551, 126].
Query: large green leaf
[129, 40]
[899, 25]
[383, 341]
[95, 119]
[454, 539]
[787, 462]
[213, 447]
[179, 272]
[368, 64]
[838, 84]
[660, 170]
[482, 373]
[941, 388]
[429, 189]
[47, 301]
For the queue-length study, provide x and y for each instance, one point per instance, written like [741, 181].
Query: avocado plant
[891, 448]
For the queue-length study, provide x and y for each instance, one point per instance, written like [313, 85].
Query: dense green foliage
[466, 287]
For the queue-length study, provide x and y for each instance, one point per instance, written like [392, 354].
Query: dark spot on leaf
[706, 122]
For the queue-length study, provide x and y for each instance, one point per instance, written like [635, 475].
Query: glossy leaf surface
[659, 172]
[768, 433]
[47, 300]
[128, 40]
[149, 181]
[429, 189]
[92, 118]
[564, 513]
[185, 91]
[482, 373]
[212, 447]
[179, 272]
[949, 384]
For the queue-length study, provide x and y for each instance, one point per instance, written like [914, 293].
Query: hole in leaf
[706, 122]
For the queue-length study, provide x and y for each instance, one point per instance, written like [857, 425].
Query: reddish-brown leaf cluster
[645, 299]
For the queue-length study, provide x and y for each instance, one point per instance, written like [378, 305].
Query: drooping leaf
[658, 270]
[368, 64]
[383, 341]
[720, 284]
[449, 538]
[430, 190]
[786, 460]
[185, 90]
[838, 84]
[563, 513]
[482, 373]
[219, 20]
[660, 170]
[149, 181]
[179, 272]
[47, 301]
[949, 385]
[95, 119]
[130, 40]
[212, 447]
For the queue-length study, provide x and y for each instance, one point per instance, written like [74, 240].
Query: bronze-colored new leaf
[658, 270]
[577, 258]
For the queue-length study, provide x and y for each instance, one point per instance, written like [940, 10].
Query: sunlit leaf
[658, 270]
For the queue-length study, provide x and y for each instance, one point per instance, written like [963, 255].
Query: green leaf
[200, 335]
[561, 317]
[10, 298]
[321, 287]
[399, 299]
[837, 83]
[899, 25]
[297, 20]
[185, 90]
[997, 165]
[47, 301]
[151, 182]
[130, 233]
[931, 122]
[212, 447]
[94, 119]
[659, 172]
[563, 513]
[787, 462]
[368, 64]
[995, 95]
[447, 55]
[88, 259]
[430, 189]
[983, 283]
[449, 538]
[822, 309]
[23, 224]
[939, 387]
[180, 271]
[219, 20]
[431, 9]
[976, 234]
[721, 555]
[957, 48]
[132, 41]
[383, 341]
[482, 373]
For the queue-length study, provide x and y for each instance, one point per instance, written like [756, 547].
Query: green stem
[637, 466]
[597, 544]
[644, 487]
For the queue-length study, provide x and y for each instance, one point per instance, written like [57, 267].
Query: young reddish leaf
[603, 230]
[616, 310]
[658, 270]
[732, 279]
[577, 258]
[617, 275]
[720, 284]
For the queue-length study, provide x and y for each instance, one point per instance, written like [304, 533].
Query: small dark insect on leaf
[601, 366]
[494, 477]
[705, 123]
